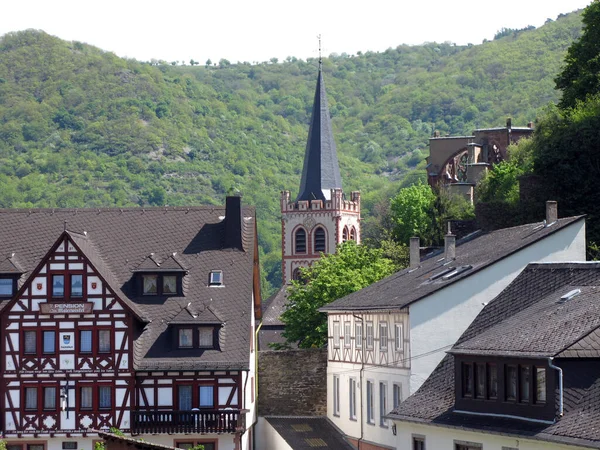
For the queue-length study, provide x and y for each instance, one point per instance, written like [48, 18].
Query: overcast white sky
[243, 30]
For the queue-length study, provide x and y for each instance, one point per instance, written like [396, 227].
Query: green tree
[580, 75]
[411, 211]
[334, 276]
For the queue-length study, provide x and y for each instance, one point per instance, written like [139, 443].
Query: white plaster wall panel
[75, 266]
[9, 421]
[17, 308]
[14, 340]
[120, 396]
[38, 286]
[443, 438]
[268, 437]
[67, 423]
[60, 248]
[438, 320]
[91, 281]
[15, 398]
[70, 247]
[224, 392]
[119, 336]
[66, 325]
[13, 326]
[125, 421]
[165, 396]
[67, 362]
[57, 266]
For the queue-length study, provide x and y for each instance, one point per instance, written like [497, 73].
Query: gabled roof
[306, 433]
[321, 171]
[188, 316]
[10, 265]
[473, 253]
[116, 241]
[536, 323]
[152, 264]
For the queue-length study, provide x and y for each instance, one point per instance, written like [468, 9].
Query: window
[399, 338]
[345, 234]
[510, 383]
[492, 384]
[336, 334]
[352, 234]
[58, 285]
[336, 395]
[104, 341]
[31, 398]
[524, 384]
[85, 341]
[104, 397]
[206, 397]
[6, 287]
[184, 394]
[185, 338]
[300, 240]
[149, 284]
[76, 285]
[49, 342]
[418, 443]
[358, 335]
[467, 446]
[85, 397]
[206, 337]
[480, 380]
[11, 446]
[297, 274]
[352, 398]
[369, 335]
[382, 404]
[29, 344]
[50, 398]
[383, 336]
[319, 240]
[397, 395]
[540, 385]
[70, 445]
[467, 379]
[347, 334]
[216, 278]
[169, 284]
[188, 445]
[370, 403]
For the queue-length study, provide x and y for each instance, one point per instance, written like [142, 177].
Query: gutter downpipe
[362, 374]
[560, 385]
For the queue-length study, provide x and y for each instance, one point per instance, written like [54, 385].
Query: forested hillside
[82, 127]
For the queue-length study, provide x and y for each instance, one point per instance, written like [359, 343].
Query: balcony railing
[201, 421]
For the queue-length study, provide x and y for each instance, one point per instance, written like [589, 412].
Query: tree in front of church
[334, 276]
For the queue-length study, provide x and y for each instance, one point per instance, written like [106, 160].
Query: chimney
[509, 123]
[551, 212]
[529, 124]
[233, 222]
[450, 245]
[415, 252]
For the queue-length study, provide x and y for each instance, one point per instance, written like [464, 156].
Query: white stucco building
[385, 340]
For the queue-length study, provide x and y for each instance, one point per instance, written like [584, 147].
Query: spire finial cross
[320, 56]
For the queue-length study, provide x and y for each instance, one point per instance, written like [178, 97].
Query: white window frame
[383, 336]
[383, 403]
[216, 278]
[397, 394]
[370, 403]
[336, 395]
[369, 333]
[336, 334]
[399, 337]
[358, 334]
[352, 398]
[347, 334]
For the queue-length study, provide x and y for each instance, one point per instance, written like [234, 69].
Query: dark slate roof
[126, 441]
[10, 265]
[321, 170]
[117, 240]
[306, 433]
[274, 307]
[478, 250]
[528, 310]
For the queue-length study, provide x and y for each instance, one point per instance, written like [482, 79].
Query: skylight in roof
[441, 274]
[456, 272]
[569, 295]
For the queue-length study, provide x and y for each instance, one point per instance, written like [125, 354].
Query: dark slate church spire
[321, 171]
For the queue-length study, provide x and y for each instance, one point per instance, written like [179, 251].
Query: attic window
[216, 278]
[6, 287]
[160, 284]
[194, 336]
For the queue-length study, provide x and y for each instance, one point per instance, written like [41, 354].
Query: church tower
[320, 217]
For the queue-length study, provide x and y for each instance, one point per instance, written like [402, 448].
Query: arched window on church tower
[319, 240]
[296, 274]
[345, 234]
[300, 241]
[353, 234]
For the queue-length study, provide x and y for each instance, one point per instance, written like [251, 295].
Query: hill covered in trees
[80, 127]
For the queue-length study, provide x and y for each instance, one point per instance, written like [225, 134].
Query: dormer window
[197, 337]
[206, 337]
[160, 284]
[216, 278]
[6, 287]
[186, 338]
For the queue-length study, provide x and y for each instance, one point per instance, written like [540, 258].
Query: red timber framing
[68, 338]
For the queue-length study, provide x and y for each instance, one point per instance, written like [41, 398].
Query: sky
[258, 30]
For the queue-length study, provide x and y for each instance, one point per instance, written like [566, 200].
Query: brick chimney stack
[415, 252]
[450, 245]
[551, 212]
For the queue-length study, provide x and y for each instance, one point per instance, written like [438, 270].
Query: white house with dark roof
[385, 340]
[525, 374]
[138, 319]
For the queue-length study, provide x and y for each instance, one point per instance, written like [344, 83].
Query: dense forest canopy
[80, 127]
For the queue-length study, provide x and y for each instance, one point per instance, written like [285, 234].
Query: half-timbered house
[137, 319]
[385, 340]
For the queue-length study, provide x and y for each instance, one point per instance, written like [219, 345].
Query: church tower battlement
[320, 217]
